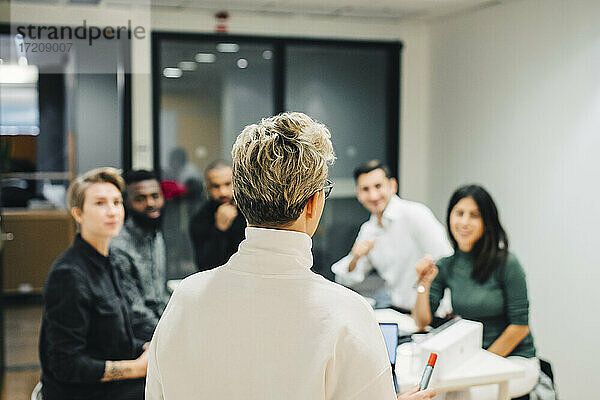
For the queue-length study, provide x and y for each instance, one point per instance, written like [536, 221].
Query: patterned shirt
[140, 258]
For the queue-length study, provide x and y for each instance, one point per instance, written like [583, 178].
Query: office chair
[37, 392]
[546, 368]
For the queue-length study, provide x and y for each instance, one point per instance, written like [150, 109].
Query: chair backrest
[547, 369]
[37, 392]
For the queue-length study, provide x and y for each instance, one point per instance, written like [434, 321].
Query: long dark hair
[491, 250]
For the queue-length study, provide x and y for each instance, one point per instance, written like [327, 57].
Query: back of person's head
[177, 158]
[278, 164]
[139, 175]
[369, 166]
[78, 187]
[492, 247]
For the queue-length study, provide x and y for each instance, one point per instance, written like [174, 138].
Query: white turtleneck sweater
[263, 326]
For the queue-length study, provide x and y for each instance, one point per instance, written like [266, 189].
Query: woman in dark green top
[486, 282]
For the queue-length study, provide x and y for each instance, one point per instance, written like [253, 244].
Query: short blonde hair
[77, 188]
[278, 164]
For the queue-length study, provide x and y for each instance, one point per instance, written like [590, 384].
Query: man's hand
[360, 249]
[225, 215]
[414, 394]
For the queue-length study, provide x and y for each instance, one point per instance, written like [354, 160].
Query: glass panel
[209, 91]
[98, 121]
[345, 88]
[19, 110]
[60, 115]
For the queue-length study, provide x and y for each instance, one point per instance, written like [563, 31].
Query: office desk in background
[33, 239]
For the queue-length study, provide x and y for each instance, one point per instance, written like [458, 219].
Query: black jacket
[213, 247]
[86, 321]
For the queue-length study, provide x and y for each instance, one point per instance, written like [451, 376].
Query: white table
[483, 368]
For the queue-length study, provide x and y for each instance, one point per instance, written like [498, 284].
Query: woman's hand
[414, 394]
[426, 271]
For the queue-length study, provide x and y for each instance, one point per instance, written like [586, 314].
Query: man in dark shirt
[218, 228]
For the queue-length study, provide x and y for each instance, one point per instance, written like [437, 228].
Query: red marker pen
[428, 371]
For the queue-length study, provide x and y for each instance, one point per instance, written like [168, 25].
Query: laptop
[390, 335]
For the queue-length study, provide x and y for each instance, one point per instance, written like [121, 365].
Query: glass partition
[208, 87]
[345, 88]
[209, 90]
[60, 115]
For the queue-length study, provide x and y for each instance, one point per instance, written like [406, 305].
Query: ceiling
[374, 9]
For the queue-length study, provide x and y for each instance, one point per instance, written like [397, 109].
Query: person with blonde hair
[87, 348]
[263, 325]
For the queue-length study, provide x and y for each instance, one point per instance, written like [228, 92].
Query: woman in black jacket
[87, 348]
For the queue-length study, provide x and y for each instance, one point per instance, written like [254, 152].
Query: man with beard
[218, 228]
[139, 253]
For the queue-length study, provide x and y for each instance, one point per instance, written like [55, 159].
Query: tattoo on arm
[115, 370]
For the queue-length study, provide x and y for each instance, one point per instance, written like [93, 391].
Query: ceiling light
[242, 63]
[187, 66]
[172, 73]
[228, 47]
[267, 54]
[205, 58]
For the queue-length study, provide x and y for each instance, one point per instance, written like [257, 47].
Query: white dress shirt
[409, 231]
[263, 326]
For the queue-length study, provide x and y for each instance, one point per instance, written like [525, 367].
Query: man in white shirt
[398, 234]
[263, 326]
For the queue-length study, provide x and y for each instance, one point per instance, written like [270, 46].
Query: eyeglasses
[327, 188]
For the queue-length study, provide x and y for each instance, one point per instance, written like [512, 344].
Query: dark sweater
[213, 247]
[497, 303]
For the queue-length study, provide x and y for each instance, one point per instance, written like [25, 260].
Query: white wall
[515, 105]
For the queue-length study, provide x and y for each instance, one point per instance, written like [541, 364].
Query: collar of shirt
[273, 252]
[81, 245]
[390, 214]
